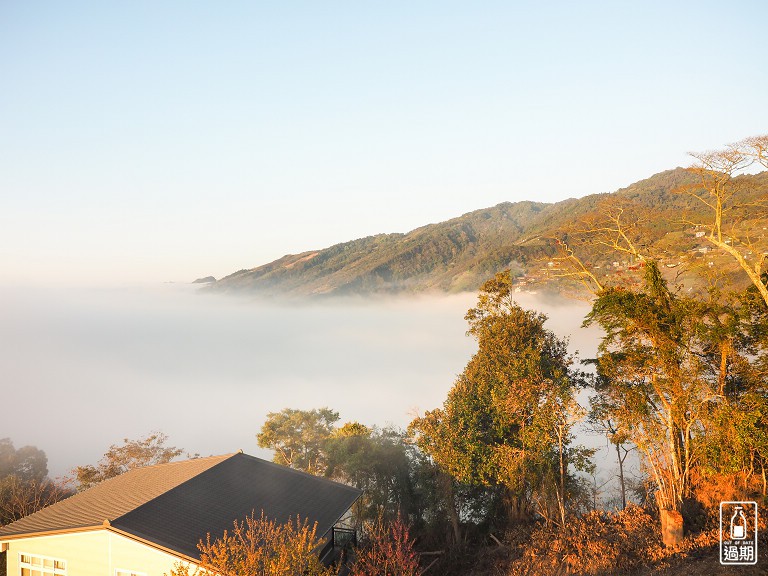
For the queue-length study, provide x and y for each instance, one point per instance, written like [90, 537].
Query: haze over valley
[107, 364]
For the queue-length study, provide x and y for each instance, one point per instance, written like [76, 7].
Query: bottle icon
[738, 524]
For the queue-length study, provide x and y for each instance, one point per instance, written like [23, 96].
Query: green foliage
[27, 463]
[650, 377]
[352, 429]
[132, 454]
[681, 379]
[508, 418]
[396, 478]
[736, 338]
[380, 463]
[24, 486]
[297, 437]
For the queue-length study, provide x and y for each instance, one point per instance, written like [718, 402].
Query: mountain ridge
[460, 253]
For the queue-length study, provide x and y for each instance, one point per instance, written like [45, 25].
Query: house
[144, 521]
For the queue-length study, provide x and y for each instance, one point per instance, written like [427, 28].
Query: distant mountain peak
[206, 280]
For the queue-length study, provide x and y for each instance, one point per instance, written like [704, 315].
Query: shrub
[387, 551]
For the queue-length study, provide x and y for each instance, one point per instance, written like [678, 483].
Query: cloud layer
[85, 369]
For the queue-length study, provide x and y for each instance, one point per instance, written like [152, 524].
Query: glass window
[32, 565]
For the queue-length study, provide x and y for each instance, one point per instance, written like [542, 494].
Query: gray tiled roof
[112, 498]
[210, 502]
[175, 505]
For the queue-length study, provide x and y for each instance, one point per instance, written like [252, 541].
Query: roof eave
[54, 532]
[105, 526]
[343, 513]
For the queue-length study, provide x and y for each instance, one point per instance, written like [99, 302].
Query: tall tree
[377, 461]
[734, 331]
[24, 486]
[676, 373]
[508, 417]
[680, 377]
[297, 437]
[131, 454]
[28, 463]
[649, 361]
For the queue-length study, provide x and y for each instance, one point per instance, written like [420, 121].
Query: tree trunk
[671, 527]
[563, 472]
[621, 477]
[453, 514]
[725, 348]
[516, 508]
[754, 275]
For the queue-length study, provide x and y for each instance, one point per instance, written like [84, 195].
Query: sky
[145, 142]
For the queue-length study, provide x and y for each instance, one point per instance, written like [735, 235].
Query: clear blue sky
[166, 140]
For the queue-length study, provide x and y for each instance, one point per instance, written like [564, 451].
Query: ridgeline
[459, 254]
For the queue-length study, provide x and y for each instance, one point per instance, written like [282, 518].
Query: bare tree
[600, 421]
[617, 225]
[730, 207]
[20, 498]
[132, 454]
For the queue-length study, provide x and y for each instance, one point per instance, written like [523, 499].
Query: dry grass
[623, 543]
[597, 543]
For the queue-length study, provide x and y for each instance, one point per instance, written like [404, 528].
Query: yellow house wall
[93, 553]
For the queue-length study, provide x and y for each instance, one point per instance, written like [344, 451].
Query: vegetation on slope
[461, 253]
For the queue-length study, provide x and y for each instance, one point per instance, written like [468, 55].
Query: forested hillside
[459, 254]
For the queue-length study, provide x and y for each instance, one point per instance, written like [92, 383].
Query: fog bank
[83, 369]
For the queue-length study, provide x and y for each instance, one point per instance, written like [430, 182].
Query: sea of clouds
[85, 368]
